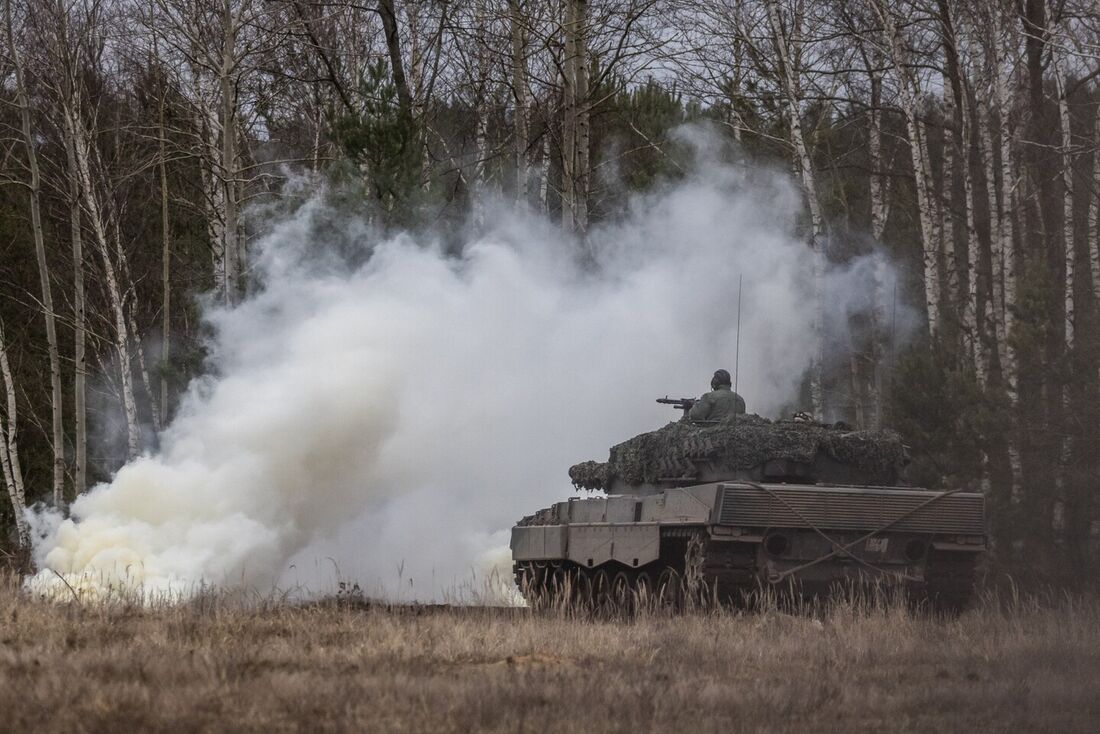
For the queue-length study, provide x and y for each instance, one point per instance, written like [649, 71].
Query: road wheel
[622, 592]
[669, 591]
[601, 590]
[581, 596]
[643, 590]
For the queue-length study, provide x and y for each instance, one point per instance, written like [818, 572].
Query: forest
[146, 141]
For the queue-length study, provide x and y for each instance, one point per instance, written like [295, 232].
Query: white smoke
[393, 420]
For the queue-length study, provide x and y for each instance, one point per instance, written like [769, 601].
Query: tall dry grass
[220, 663]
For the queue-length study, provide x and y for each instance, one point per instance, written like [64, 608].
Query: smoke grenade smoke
[397, 417]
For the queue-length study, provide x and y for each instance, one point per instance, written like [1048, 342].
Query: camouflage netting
[678, 450]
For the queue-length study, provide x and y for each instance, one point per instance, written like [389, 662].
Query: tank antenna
[737, 347]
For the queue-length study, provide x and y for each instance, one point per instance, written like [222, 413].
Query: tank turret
[747, 447]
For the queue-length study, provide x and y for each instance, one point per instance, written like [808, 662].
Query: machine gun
[683, 404]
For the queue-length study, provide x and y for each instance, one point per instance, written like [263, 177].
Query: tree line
[960, 138]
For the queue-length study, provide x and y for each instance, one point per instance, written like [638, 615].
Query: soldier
[718, 404]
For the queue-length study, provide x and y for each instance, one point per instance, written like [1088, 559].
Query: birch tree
[521, 95]
[9, 448]
[90, 179]
[930, 231]
[786, 46]
[34, 193]
[219, 45]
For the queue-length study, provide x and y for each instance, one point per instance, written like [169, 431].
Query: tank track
[690, 571]
[693, 571]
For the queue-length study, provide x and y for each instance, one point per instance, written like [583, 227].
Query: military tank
[723, 512]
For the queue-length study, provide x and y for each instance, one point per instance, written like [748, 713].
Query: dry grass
[215, 665]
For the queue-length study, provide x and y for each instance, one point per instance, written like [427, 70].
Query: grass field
[215, 664]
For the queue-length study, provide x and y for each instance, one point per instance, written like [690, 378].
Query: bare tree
[220, 46]
[786, 42]
[521, 95]
[35, 191]
[9, 448]
[90, 177]
[910, 95]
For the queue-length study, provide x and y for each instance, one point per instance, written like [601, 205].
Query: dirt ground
[218, 665]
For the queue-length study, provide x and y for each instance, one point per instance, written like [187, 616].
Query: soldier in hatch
[721, 403]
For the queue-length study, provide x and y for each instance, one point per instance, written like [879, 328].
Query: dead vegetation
[217, 664]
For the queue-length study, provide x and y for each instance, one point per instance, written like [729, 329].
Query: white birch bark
[165, 266]
[582, 170]
[544, 176]
[1004, 96]
[569, 117]
[1069, 260]
[521, 93]
[9, 448]
[972, 317]
[481, 113]
[804, 166]
[57, 435]
[1068, 238]
[1094, 216]
[92, 207]
[880, 212]
[947, 189]
[214, 194]
[1009, 198]
[994, 314]
[930, 234]
[417, 54]
[80, 357]
[228, 163]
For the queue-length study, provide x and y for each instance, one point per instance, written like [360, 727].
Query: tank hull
[729, 541]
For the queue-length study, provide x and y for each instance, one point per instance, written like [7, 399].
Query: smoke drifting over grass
[404, 413]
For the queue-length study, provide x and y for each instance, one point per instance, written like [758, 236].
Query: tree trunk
[569, 118]
[9, 449]
[1002, 66]
[930, 234]
[481, 112]
[393, 48]
[582, 166]
[208, 126]
[544, 180]
[947, 189]
[57, 435]
[1068, 244]
[880, 211]
[804, 165]
[973, 318]
[80, 357]
[143, 371]
[228, 101]
[994, 313]
[165, 266]
[1094, 216]
[1009, 208]
[75, 128]
[521, 94]
[1069, 272]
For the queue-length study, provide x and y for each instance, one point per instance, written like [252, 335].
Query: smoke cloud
[392, 420]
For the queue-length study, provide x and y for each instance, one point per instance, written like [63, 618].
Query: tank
[721, 512]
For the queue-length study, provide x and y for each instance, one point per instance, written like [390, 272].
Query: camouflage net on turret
[742, 444]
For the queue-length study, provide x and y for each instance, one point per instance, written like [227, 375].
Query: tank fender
[538, 542]
[633, 545]
[688, 505]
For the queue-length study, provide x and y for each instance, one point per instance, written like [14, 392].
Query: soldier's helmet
[721, 377]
